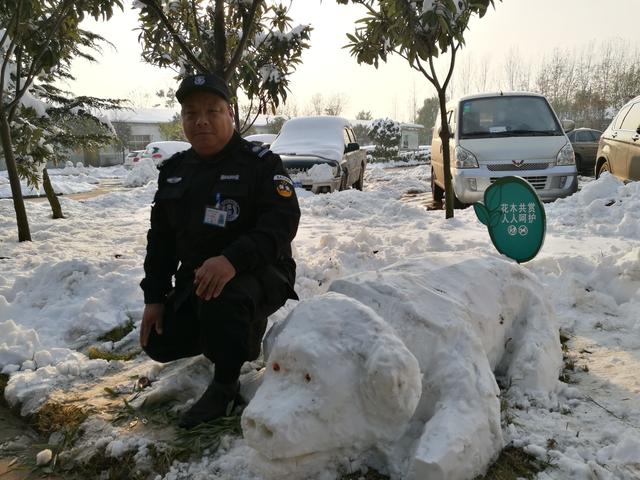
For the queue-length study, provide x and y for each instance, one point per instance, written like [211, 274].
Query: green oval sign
[514, 215]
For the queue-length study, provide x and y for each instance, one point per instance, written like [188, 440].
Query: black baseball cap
[209, 82]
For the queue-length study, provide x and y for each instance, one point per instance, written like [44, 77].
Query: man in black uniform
[222, 223]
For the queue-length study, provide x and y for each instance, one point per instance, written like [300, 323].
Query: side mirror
[351, 147]
[568, 125]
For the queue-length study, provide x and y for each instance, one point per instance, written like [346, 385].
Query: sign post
[514, 215]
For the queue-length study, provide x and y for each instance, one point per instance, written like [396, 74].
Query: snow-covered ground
[69, 179]
[78, 279]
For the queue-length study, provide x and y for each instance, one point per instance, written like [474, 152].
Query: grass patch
[97, 353]
[569, 364]
[118, 333]
[512, 464]
[207, 436]
[55, 416]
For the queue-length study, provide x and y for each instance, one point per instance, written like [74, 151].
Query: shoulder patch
[284, 185]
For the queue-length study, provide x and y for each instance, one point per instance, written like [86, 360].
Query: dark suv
[619, 149]
[585, 145]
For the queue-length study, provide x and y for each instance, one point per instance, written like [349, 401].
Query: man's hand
[212, 276]
[151, 318]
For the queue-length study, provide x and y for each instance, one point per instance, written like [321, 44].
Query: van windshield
[507, 116]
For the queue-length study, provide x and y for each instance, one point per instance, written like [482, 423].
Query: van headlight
[566, 156]
[465, 159]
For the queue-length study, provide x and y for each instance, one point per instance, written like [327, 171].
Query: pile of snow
[67, 180]
[79, 278]
[321, 172]
[142, 173]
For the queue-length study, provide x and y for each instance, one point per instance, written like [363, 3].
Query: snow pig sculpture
[400, 362]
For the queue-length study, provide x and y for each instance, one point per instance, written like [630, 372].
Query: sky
[526, 29]
[79, 278]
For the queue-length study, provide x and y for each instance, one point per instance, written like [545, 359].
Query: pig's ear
[392, 383]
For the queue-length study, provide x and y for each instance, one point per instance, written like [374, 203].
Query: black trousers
[228, 330]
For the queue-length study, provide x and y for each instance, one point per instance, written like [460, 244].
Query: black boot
[217, 401]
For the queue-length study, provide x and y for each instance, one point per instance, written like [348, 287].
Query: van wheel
[436, 191]
[360, 182]
[457, 203]
[603, 168]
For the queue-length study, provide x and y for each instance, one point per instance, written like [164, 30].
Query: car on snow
[161, 151]
[585, 145]
[619, 148]
[133, 158]
[494, 135]
[321, 153]
[265, 139]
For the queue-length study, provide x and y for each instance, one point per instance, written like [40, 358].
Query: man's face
[207, 121]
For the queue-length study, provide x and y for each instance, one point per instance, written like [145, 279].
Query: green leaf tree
[173, 130]
[385, 134]
[426, 116]
[419, 31]
[249, 43]
[38, 41]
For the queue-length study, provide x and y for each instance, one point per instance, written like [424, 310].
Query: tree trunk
[16, 192]
[446, 154]
[56, 209]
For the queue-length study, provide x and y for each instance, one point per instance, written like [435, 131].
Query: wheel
[360, 182]
[457, 203]
[603, 168]
[436, 191]
[343, 180]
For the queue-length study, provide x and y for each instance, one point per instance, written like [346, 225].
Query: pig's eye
[307, 377]
[275, 366]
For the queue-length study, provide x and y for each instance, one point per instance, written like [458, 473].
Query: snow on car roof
[312, 136]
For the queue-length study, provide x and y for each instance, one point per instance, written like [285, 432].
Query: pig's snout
[257, 429]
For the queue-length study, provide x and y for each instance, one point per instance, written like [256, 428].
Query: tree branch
[195, 22]
[219, 38]
[7, 55]
[247, 29]
[34, 69]
[183, 46]
[454, 49]
[434, 74]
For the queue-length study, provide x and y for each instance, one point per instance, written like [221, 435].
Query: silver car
[321, 153]
[501, 134]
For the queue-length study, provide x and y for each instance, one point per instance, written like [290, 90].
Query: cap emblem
[199, 80]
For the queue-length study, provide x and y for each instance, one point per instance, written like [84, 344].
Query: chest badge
[174, 180]
[231, 207]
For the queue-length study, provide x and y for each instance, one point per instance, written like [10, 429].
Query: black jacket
[246, 182]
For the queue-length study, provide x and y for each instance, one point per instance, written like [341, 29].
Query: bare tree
[317, 104]
[481, 76]
[336, 104]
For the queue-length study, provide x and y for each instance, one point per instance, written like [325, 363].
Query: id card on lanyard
[214, 215]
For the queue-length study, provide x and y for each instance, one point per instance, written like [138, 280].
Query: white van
[502, 134]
